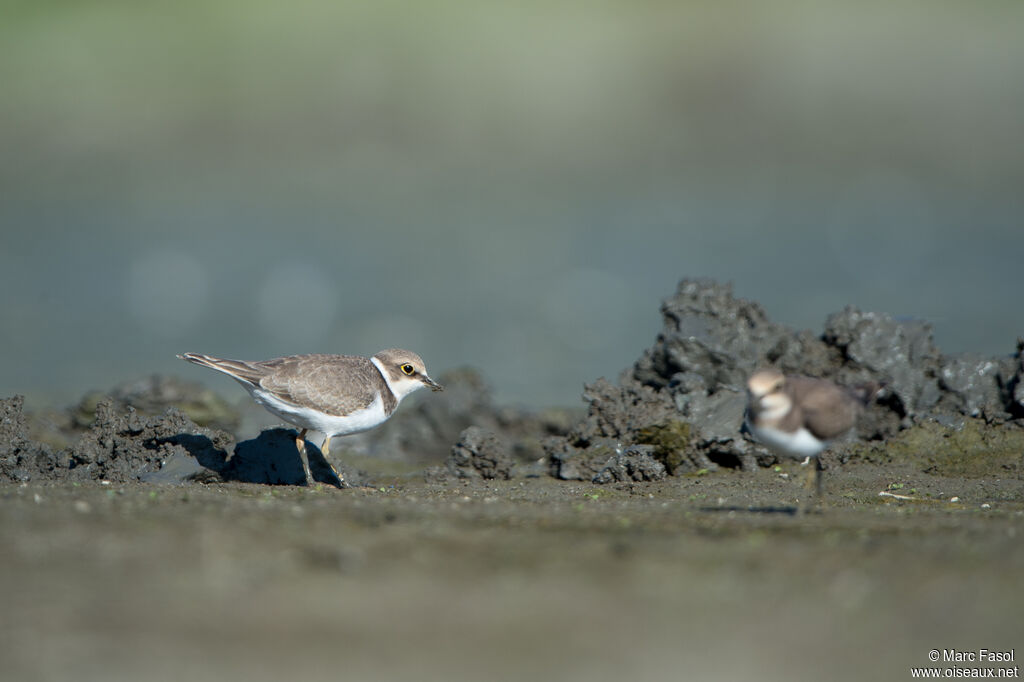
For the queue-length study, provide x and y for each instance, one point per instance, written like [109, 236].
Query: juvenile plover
[333, 394]
[797, 416]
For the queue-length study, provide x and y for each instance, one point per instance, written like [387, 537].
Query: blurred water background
[513, 186]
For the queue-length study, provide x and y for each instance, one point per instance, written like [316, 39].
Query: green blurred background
[509, 185]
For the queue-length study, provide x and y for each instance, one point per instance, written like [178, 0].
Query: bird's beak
[434, 386]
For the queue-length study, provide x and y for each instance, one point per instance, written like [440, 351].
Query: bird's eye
[408, 369]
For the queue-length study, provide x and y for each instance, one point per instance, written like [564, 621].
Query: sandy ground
[707, 577]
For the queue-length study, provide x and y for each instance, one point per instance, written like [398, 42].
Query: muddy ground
[640, 535]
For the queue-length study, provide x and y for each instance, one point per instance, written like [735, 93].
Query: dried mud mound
[685, 396]
[122, 445]
[636, 463]
[119, 446]
[479, 454]
[19, 455]
[677, 410]
[141, 431]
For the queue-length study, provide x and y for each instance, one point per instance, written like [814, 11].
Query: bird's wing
[333, 384]
[829, 410]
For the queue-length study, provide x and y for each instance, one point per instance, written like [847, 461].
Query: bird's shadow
[272, 458]
[782, 510]
[200, 460]
[200, 447]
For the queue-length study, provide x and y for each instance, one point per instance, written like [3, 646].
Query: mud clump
[20, 457]
[121, 447]
[685, 396]
[1013, 388]
[668, 441]
[619, 416]
[637, 463]
[125, 446]
[876, 346]
[479, 454]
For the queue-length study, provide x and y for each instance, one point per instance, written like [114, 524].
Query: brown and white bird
[797, 416]
[334, 394]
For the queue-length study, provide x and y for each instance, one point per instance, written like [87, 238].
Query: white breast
[800, 443]
[331, 425]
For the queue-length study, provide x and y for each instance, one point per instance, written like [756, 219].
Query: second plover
[797, 416]
[334, 394]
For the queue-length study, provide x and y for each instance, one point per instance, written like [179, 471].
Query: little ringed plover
[334, 394]
[797, 416]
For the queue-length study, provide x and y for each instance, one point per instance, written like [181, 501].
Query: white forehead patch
[762, 382]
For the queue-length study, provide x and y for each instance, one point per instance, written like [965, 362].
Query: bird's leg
[300, 443]
[814, 479]
[819, 480]
[324, 450]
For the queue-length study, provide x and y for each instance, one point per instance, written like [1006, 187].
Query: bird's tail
[246, 372]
